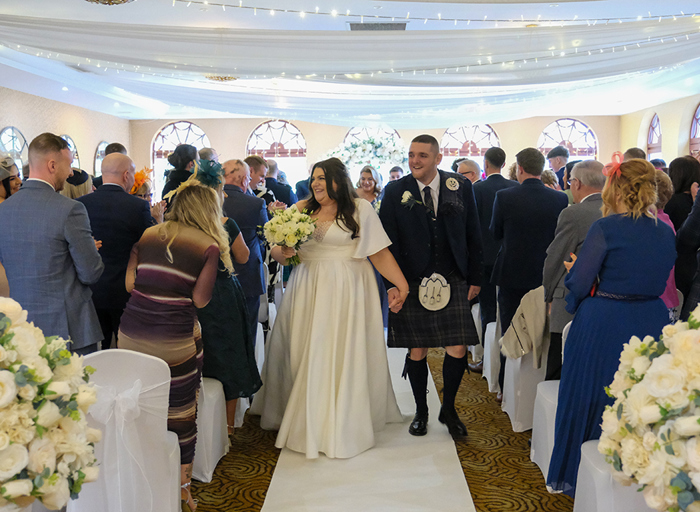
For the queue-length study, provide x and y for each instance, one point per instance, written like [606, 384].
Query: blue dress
[632, 260]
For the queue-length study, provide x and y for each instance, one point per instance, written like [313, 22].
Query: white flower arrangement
[46, 447]
[289, 228]
[377, 153]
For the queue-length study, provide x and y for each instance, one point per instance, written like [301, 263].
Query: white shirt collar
[43, 181]
[434, 187]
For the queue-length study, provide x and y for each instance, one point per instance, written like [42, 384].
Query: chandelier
[109, 2]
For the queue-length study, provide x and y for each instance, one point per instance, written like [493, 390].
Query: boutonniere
[452, 184]
[408, 200]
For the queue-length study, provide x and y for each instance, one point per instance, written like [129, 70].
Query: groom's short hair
[428, 139]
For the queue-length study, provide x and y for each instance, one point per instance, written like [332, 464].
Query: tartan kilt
[416, 327]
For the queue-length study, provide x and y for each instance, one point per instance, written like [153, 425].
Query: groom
[432, 221]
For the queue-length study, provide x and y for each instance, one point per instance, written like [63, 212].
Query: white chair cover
[544, 416]
[212, 431]
[272, 315]
[279, 291]
[477, 351]
[136, 472]
[597, 491]
[564, 335]
[492, 359]
[520, 390]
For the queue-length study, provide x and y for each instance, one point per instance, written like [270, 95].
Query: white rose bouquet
[46, 447]
[289, 228]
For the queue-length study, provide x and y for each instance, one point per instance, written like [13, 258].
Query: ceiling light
[64, 88]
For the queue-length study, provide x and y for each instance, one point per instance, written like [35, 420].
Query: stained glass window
[654, 139]
[99, 156]
[467, 141]
[74, 150]
[13, 142]
[168, 138]
[574, 135]
[283, 142]
[373, 131]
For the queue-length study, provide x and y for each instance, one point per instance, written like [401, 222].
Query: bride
[326, 384]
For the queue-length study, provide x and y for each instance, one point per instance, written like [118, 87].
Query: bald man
[470, 170]
[48, 251]
[118, 219]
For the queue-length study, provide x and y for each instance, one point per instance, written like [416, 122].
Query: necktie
[428, 200]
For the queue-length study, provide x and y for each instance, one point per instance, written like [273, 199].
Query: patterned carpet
[495, 460]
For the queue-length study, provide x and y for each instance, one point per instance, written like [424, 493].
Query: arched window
[283, 142]
[13, 142]
[654, 139]
[576, 136]
[373, 131]
[695, 134]
[166, 140]
[467, 141]
[99, 156]
[74, 150]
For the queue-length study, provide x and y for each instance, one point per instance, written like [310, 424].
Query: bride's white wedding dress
[326, 384]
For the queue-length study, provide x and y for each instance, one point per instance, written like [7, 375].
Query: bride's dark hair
[344, 193]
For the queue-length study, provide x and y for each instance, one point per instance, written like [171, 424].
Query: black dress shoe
[476, 367]
[454, 425]
[419, 425]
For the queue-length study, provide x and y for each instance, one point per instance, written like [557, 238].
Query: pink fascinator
[613, 168]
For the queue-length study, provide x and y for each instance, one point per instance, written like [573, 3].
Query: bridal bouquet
[46, 447]
[289, 228]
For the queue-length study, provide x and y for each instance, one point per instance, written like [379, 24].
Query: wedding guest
[485, 195]
[470, 170]
[395, 173]
[683, 171]
[229, 354]
[664, 191]
[550, 180]
[302, 186]
[513, 171]
[114, 147]
[327, 387]
[455, 164]
[48, 251]
[172, 271]
[283, 192]
[118, 219]
[369, 185]
[258, 170]
[557, 158]
[433, 224]
[250, 215]
[688, 242]
[183, 161]
[524, 220]
[659, 163]
[10, 182]
[586, 184]
[143, 189]
[206, 154]
[634, 153]
[629, 255]
[77, 185]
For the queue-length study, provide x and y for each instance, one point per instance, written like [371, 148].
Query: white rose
[654, 497]
[662, 381]
[93, 435]
[27, 392]
[86, 396]
[91, 473]
[17, 488]
[291, 240]
[71, 372]
[655, 471]
[637, 398]
[692, 449]
[683, 341]
[649, 414]
[56, 496]
[42, 454]
[13, 310]
[649, 440]
[42, 370]
[279, 238]
[669, 331]
[49, 414]
[640, 365]
[8, 388]
[13, 459]
[26, 341]
[610, 425]
[4, 440]
[60, 389]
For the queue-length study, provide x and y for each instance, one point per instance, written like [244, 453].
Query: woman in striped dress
[171, 272]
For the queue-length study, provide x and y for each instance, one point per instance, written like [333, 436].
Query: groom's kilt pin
[416, 327]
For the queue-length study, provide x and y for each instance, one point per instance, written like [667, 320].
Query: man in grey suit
[587, 181]
[48, 251]
[250, 214]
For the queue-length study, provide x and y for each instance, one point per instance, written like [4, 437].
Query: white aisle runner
[401, 473]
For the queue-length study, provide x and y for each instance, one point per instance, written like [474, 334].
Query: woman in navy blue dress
[626, 259]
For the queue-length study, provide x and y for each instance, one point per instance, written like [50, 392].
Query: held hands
[157, 211]
[288, 252]
[569, 264]
[473, 292]
[396, 299]
[277, 205]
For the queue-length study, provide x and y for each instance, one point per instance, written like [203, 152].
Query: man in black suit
[282, 192]
[250, 214]
[485, 195]
[431, 219]
[118, 220]
[524, 219]
[557, 159]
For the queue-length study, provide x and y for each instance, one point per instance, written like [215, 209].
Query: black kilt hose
[416, 327]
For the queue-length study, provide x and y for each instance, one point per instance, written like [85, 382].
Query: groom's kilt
[416, 327]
